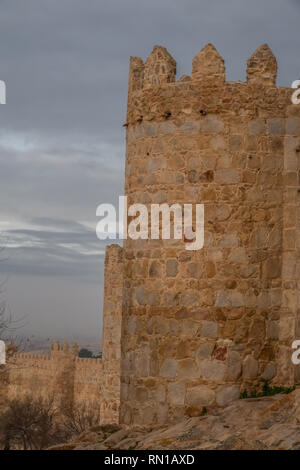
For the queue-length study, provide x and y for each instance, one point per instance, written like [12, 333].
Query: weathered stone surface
[256, 127]
[187, 368]
[262, 67]
[141, 296]
[208, 64]
[211, 124]
[287, 328]
[169, 368]
[227, 394]
[176, 393]
[290, 153]
[160, 67]
[227, 176]
[172, 268]
[271, 268]
[250, 368]
[212, 370]
[273, 330]
[209, 329]
[276, 126]
[234, 365]
[205, 351]
[269, 371]
[230, 299]
[200, 396]
[293, 126]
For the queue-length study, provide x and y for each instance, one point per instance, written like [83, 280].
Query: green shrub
[266, 391]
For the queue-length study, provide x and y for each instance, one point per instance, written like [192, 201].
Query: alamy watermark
[296, 95]
[2, 353]
[296, 354]
[164, 221]
[2, 92]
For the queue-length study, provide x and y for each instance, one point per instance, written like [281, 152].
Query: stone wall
[61, 375]
[56, 375]
[199, 326]
[112, 322]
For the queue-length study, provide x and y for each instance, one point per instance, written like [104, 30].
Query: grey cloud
[57, 223]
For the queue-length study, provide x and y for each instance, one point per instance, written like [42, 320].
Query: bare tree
[8, 324]
[5, 319]
[79, 418]
[29, 425]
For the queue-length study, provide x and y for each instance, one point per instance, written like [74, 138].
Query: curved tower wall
[199, 326]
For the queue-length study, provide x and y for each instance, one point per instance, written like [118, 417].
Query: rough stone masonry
[199, 326]
[184, 329]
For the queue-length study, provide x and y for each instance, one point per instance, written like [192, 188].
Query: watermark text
[164, 222]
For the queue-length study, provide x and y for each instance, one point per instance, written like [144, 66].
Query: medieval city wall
[61, 376]
[68, 379]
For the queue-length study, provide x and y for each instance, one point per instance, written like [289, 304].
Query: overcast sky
[62, 144]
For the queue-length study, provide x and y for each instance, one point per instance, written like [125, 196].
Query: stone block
[190, 126]
[187, 368]
[293, 126]
[230, 240]
[272, 330]
[227, 394]
[169, 368]
[269, 371]
[271, 268]
[190, 298]
[287, 329]
[250, 368]
[204, 351]
[176, 393]
[200, 396]
[217, 142]
[235, 142]
[276, 126]
[234, 365]
[257, 127]
[212, 370]
[167, 127]
[171, 268]
[209, 329]
[227, 176]
[290, 154]
[212, 123]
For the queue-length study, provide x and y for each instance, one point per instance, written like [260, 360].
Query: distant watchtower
[199, 326]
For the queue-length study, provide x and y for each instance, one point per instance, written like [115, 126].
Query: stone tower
[199, 326]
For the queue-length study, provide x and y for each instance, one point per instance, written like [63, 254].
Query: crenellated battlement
[155, 95]
[65, 348]
[59, 353]
[262, 67]
[36, 357]
[208, 65]
[88, 362]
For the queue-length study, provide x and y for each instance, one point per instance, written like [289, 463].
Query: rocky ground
[255, 424]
